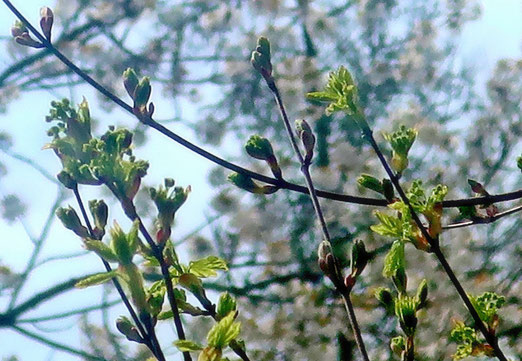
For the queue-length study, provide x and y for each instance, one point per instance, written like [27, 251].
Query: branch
[229, 165]
[435, 247]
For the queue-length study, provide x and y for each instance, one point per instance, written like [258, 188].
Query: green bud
[169, 182]
[385, 297]
[127, 328]
[398, 345]
[67, 180]
[400, 280]
[422, 294]
[387, 187]
[100, 213]
[477, 187]
[46, 21]
[519, 162]
[130, 81]
[359, 258]
[261, 59]
[142, 93]
[304, 131]
[246, 183]
[401, 142]
[226, 304]
[370, 182]
[71, 221]
[259, 148]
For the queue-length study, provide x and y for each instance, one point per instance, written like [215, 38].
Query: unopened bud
[387, 187]
[71, 221]
[46, 21]
[130, 81]
[261, 59]
[125, 326]
[67, 180]
[18, 29]
[142, 93]
[304, 131]
[259, 147]
[26, 40]
[245, 182]
[370, 182]
[359, 258]
[100, 213]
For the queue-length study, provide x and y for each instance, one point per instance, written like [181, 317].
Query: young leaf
[187, 346]
[223, 332]
[207, 267]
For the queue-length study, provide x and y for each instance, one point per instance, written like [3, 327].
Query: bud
[100, 213]
[477, 187]
[323, 250]
[359, 258]
[18, 29]
[26, 40]
[46, 21]
[370, 182]
[142, 93]
[400, 280]
[385, 297]
[261, 59]
[401, 142]
[397, 345]
[307, 138]
[125, 326]
[519, 162]
[245, 182]
[226, 304]
[130, 81]
[121, 243]
[67, 180]
[422, 294]
[71, 221]
[387, 187]
[259, 147]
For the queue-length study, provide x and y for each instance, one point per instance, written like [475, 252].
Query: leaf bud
[370, 182]
[388, 192]
[477, 187]
[247, 183]
[261, 59]
[127, 328]
[46, 21]
[385, 297]
[100, 213]
[26, 40]
[71, 221]
[259, 148]
[397, 345]
[142, 93]
[18, 29]
[304, 131]
[130, 81]
[405, 309]
[67, 180]
[400, 280]
[359, 258]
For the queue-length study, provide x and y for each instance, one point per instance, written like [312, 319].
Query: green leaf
[226, 304]
[223, 332]
[487, 305]
[96, 279]
[207, 267]
[187, 346]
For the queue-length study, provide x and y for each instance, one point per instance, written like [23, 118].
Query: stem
[305, 169]
[144, 335]
[435, 248]
[229, 165]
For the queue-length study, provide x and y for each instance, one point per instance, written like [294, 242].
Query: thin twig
[484, 220]
[435, 248]
[70, 313]
[305, 169]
